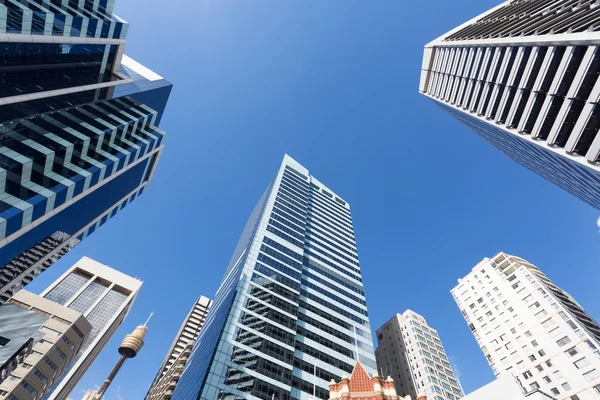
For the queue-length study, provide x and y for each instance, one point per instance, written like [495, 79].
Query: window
[582, 362]
[574, 397]
[548, 323]
[542, 353]
[50, 363]
[565, 340]
[29, 388]
[597, 388]
[555, 332]
[590, 344]
[513, 330]
[572, 351]
[534, 386]
[541, 314]
[527, 375]
[535, 305]
[591, 375]
[534, 343]
[554, 391]
[532, 358]
[528, 334]
[547, 379]
[549, 363]
[37, 373]
[539, 367]
[60, 353]
[4, 341]
[566, 386]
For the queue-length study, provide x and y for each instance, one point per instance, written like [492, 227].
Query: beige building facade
[56, 336]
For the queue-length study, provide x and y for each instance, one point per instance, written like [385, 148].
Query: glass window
[548, 323]
[582, 362]
[572, 351]
[566, 386]
[565, 340]
[591, 375]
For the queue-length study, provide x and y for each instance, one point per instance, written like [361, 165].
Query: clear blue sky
[334, 84]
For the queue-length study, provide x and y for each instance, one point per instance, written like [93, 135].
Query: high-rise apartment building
[164, 384]
[524, 77]
[38, 340]
[104, 296]
[411, 352]
[529, 327]
[79, 136]
[290, 313]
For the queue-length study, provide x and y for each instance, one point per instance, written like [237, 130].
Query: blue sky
[334, 84]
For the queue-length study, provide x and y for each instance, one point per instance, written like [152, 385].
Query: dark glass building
[79, 136]
[290, 313]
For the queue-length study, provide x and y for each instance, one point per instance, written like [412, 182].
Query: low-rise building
[361, 386]
[507, 388]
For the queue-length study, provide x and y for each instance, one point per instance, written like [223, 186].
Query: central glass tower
[290, 313]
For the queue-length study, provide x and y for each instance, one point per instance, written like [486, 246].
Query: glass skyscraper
[79, 136]
[290, 313]
[524, 76]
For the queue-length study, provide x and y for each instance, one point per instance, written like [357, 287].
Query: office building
[362, 386]
[38, 339]
[529, 327]
[290, 313]
[104, 296]
[164, 384]
[506, 388]
[79, 136]
[524, 77]
[411, 352]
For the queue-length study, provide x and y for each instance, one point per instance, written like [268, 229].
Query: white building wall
[505, 388]
[524, 329]
[412, 353]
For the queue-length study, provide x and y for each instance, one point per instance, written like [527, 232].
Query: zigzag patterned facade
[79, 136]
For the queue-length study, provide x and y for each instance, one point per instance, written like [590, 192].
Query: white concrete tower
[411, 352]
[529, 327]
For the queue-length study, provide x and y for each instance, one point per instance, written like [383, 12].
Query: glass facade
[79, 135]
[573, 177]
[290, 313]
